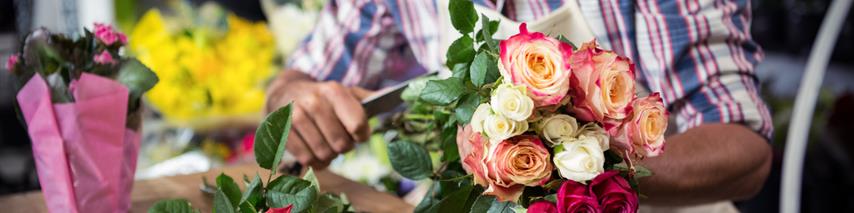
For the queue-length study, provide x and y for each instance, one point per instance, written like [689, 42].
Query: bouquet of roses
[534, 121]
[80, 98]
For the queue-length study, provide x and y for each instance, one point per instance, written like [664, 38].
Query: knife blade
[387, 99]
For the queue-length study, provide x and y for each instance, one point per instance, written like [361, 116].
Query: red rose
[542, 206]
[286, 209]
[614, 193]
[576, 197]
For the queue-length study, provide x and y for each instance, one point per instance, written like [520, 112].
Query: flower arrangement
[531, 121]
[213, 66]
[80, 98]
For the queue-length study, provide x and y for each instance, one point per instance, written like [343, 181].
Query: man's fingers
[349, 110]
[312, 137]
[333, 131]
[360, 93]
[297, 147]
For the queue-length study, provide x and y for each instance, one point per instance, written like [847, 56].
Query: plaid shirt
[697, 53]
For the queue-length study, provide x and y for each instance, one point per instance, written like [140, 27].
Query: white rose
[595, 131]
[557, 126]
[498, 128]
[511, 102]
[480, 114]
[580, 159]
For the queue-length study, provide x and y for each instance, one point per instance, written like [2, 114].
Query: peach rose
[538, 62]
[514, 163]
[603, 84]
[642, 132]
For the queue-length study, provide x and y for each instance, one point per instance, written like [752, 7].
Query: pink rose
[104, 58]
[471, 147]
[542, 207]
[12, 61]
[576, 197]
[107, 35]
[603, 84]
[538, 62]
[614, 193]
[642, 132]
[286, 209]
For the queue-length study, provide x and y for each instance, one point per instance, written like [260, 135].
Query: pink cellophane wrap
[85, 156]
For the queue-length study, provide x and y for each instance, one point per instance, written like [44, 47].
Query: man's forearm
[712, 162]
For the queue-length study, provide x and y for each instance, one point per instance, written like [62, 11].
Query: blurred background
[215, 57]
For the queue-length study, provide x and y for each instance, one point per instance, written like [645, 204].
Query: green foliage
[270, 138]
[221, 203]
[137, 78]
[442, 92]
[410, 160]
[460, 51]
[172, 206]
[230, 189]
[484, 69]
[463, 15]
[289, 190]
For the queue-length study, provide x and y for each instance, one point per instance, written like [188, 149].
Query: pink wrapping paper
[85, 156]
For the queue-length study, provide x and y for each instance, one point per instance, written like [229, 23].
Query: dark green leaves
[460, 51]
[270, 138]
[501, 207]
[225, 184]
[466, 107]
[488, 28]
[442, 92]
[253, 192]
[286, 190]
[410, 160]
[221, 203]
[484, 69]
[463, 15]
[137, 78]
[172, 206]
[482, 203]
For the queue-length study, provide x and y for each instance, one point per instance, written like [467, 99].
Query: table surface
[147, 192]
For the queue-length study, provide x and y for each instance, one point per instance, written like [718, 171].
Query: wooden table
[147, 192]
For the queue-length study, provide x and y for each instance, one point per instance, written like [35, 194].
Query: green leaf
[270, 138]
[488, 28]
[442, 92]
[410, 160]
[482, 204]
[551, 198]
[483, 70]
[463, 15]
[311, 178]
[429, 201]
[252, 195]
[460, 71]
[172, 206]
[328, 203]
[246, 208]
[413, 90]
[460, 51]
[286, 190]
[641, 171]
[466, 107]
[225, 184]
[449, 144]
[221, 203]
[458, 200]
[137, 78]
[501, 207]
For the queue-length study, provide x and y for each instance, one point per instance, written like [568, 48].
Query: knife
[387, 99]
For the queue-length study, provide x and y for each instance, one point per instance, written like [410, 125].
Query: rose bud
[556, 127]
[579, 159]
[511, 102]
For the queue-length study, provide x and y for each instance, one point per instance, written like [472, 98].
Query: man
[697, 53]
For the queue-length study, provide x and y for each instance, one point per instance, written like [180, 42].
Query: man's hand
[328, 118]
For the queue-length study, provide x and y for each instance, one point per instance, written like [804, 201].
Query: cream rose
[557, 126]
[595, 131]
[480, 114]
[511, 102]
[498, 128]
[603, 85]
[581, 159]
[538, 62]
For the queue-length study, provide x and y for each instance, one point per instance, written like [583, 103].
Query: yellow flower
[205, 72]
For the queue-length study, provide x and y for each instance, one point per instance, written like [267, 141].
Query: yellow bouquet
[210, 74]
